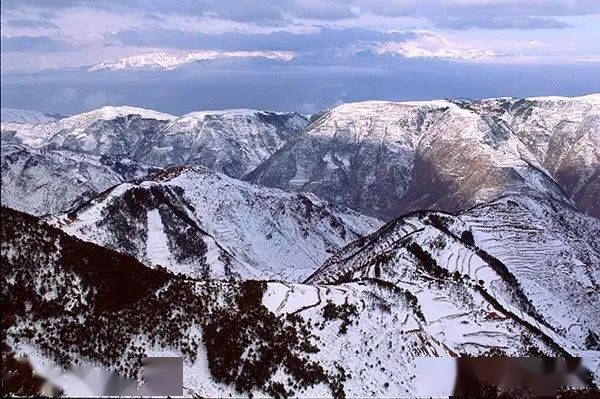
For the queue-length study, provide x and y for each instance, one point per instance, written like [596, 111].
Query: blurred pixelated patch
[161, 376]
[506, 377]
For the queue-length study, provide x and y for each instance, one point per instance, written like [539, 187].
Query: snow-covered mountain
[205, 224]
[40, 182]
[387, 158]
[230, 141]
[264, 291]
[103, 131]
[356, 338]
[564, 135]
[166, 61]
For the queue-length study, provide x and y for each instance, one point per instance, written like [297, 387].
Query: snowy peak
[54, 133]
[410, 50]
[166, 61]
[112, 112]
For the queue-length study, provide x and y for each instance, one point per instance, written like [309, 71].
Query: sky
[179, 56]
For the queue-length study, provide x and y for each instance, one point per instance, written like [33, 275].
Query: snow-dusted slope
[203, 223]
[388, 158]
[354, 339]
[51, 181]
[230, 141]
[103, 131]
[564, 135]
[536, 259]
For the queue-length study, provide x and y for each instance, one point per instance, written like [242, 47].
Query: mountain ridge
[386, 158]
[232, 141]
[205, 224]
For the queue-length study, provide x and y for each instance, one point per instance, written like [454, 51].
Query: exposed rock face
[386, 158]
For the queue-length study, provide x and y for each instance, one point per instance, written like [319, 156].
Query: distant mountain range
[167, 61]
[10, 115]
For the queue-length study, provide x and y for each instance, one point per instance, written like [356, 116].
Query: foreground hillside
[534, 258]
[359, 332]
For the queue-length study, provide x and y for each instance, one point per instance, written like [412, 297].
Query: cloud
[513, 22]
[30, 23]
[260, 12]
[494, 14]
[272, 12]
[321, 10]
[273, 41]
[34, 44]
[482, 8]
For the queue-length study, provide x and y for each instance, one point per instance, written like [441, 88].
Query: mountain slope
[67, 302]
[361, 338]
[202, 223]
[564, 135]
[230, 141]
[51, 181]
[386, 158]
[534, 258]
[104, 131]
